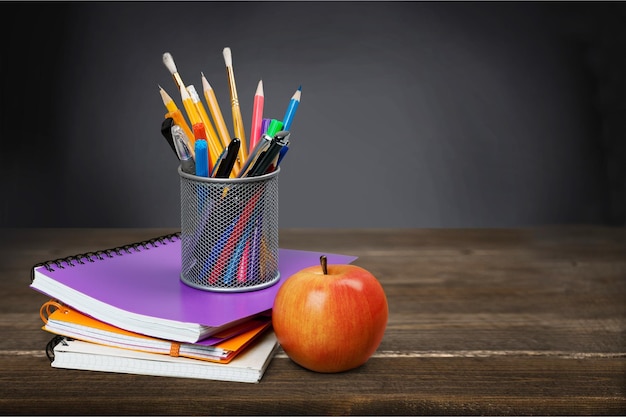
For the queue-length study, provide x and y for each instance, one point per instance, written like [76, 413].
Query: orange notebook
[222, 347]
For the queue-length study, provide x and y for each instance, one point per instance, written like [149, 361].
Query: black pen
[269, 156]
[218, 162]
[258, 150]
[166, 131]
[227, 162]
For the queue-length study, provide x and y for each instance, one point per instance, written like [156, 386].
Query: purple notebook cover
[148, 282]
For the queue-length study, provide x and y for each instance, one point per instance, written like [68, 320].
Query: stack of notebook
[126, 310]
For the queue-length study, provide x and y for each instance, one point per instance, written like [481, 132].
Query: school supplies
[269, 157]
[166, 131]
[248, 367]
[238, 127]
[216, 112]
[181, 146]
[202, 158]
[134, 309]
[258, 150]
[168, 61]
[227, 160]
[291, 109]
[264, 125]
[190, 108]
[174, 112]
[219, 138]
[218, 218]
[215, 146]
[138, 288]
[274, 127]
[168, 102]
[257, 116]
[222, 347]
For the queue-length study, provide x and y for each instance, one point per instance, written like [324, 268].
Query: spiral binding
[100, 255]
[52, 343]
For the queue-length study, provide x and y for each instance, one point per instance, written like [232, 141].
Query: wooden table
[488, 321]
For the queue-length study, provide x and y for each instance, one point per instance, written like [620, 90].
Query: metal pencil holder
[229, 232]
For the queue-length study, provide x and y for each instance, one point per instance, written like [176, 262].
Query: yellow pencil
[212, 140]
[169, 103]
[216, 113]
[174, 112]
[190, 108]
[220, 124]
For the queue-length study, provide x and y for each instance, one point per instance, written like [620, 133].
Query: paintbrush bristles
[228, 57]
[168, 60]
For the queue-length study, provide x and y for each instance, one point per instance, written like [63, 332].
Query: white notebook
[249, 366]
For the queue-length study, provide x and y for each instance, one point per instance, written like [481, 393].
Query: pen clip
[260, 147]
[269, 156]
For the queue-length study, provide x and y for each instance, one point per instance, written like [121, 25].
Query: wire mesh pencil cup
[229, 232]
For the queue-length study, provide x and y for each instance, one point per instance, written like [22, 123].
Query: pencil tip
[205, 83]
[300, 88]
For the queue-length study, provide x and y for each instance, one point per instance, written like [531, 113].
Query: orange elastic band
[48, 308]
[175, 349]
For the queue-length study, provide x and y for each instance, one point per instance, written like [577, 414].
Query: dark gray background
[413, 114]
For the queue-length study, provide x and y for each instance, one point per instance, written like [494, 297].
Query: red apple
[330, 318]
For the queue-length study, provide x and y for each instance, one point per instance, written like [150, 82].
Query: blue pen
[291, 109]
[202, 158]
[283, 151]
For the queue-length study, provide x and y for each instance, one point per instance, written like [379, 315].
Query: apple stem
[324, 263]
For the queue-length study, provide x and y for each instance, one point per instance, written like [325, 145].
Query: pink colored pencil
[257, 116]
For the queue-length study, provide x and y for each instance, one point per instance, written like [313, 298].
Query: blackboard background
[413, 114]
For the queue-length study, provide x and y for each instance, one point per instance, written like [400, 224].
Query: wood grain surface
[481, 322]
